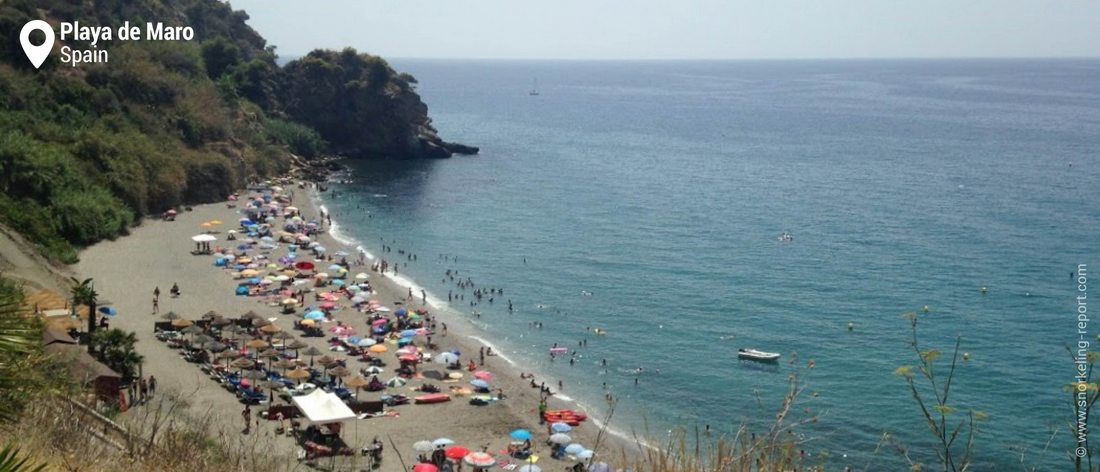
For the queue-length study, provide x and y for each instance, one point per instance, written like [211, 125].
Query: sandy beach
[158, 254]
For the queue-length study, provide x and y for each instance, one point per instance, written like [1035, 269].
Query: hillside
[86, 151]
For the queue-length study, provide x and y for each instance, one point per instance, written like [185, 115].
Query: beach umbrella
[409, 358]
[315, 315]
[362, 276]
[284, 364]
[220, 321]
[447, 358]
[574, 449]
[297, 344]
[378, 348]
[520, 434]
[328, 306]
[202, 340]
[339, 371]
[456, 452]
[203, 238]
[254, 374]
[375, 370]
[181, 323]
[560, 438]
[268, 354]
[358, 382]
[249, 273]
[242, 363]
[425, 467]
[423, 446]
[378, 322]
[530, 468]
[560, 427]
[366, 342]
[250, 315]
[192, 330]
[260, 322]
[484, 384]
[408, 333]
[401, 312]
[396, 382]
[308, 323]
[454, 375]
[256, 343]
[312, 351]
[299, 374]
[216, 347]
[586, 454]
[108, 310]
[442, 442]
[271, 329]
[326, 360]
[283, 335]
[170, 316]
[484, 375]
[480, 459]
[228, 355]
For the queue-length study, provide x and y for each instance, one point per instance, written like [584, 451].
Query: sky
[684, 29]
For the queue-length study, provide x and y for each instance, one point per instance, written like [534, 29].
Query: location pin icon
[37, 54]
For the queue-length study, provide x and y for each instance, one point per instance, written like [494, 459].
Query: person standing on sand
[156, 305]
[542, 412]
[247, 415]
[152, 385]
[156, 293]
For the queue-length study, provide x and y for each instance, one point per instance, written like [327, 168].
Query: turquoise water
[661, 188]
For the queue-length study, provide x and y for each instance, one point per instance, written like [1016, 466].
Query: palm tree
[116, 349]
[84, 293]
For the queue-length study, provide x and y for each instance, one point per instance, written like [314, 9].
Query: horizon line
[717, 59]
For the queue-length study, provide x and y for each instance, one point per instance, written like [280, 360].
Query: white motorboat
[755, 355]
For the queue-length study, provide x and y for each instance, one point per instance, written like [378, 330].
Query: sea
[646, 200]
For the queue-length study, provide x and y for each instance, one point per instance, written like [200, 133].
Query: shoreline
[621, 440]
[156, 253]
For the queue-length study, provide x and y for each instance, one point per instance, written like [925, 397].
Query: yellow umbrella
[307, 323]
[378, 348]
[250, 273]
[215, 222]
[290, 301]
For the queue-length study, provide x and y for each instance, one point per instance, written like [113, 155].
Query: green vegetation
[933, 399]
[116, 349]
[86, 152]
[83, 293]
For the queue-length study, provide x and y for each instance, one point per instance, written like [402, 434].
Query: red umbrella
[425, 467]
[456, 452]
[480, 459]
[303, 265]
[409, 358]
[484, 375]
[328, 306]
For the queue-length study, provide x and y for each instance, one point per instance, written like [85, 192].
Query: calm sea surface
[661, 188]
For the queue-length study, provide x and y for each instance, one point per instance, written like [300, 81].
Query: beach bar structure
[85, 369]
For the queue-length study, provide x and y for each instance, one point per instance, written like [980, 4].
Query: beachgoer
[156, 292]
[247, 415]
[152, 385]
[156, 305]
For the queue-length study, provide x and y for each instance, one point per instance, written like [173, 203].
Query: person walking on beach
[152, 386]
[481, 356]
[247, 415]
[156, 293]
[156, 305]
[144, 389]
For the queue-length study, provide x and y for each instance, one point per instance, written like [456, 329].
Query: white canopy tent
[321, 407]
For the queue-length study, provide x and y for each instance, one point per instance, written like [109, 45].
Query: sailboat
[534, 89]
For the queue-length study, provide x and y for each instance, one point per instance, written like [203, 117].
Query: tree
[116, 349]
[83, 293]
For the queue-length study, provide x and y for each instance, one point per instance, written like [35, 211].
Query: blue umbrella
[404, 341]
[560, 427]
[335, 267]
[408, 333]
[379, 330]
[519, 434]
[401, 312]
[108, 310]
[353, 340]
[483, 384]
[246, 222]
[574, 449]
[441, 442]
[315, 315]
[338, 282]
[242, 290]
[586, 454]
